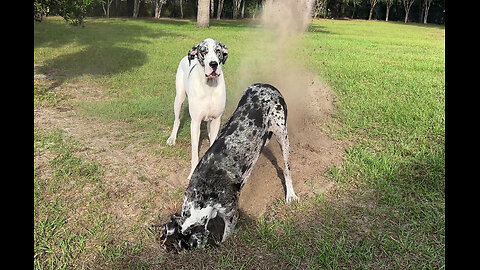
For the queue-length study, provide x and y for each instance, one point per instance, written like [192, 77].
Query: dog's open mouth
[212, 75]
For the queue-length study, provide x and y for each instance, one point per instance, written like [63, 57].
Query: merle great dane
[200, 77]
[210, 204]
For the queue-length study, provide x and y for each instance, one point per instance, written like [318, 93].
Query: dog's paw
[291, 197]
[171, 141]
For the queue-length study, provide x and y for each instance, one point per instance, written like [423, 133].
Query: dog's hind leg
[280, 132]
[179, 98]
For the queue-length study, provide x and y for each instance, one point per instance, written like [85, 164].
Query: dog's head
[211, 55]
[173, 238]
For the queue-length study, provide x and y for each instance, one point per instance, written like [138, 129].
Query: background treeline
[231, 9]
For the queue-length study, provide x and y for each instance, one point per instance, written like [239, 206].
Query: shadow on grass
[108, 46]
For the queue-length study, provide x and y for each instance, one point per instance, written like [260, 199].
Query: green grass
[390, 82]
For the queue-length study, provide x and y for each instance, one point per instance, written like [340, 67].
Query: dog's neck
[212, 82]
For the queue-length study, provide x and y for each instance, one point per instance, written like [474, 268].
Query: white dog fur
[200, 77]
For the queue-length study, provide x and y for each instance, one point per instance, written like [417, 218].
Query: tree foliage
[73, 11]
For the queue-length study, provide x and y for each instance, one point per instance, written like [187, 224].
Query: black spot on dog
[216, 227]
[242, 101]
[245, 167]
[231, 128]
[257, 117]
[200, 204]
[237, 186]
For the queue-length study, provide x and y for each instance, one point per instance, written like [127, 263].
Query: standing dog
[200, 77]
[211, 199]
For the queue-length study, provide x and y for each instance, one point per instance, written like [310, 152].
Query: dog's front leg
[230, 221]
[195, 137]
[214, 127]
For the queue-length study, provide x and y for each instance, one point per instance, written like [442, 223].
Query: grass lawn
[389, 212]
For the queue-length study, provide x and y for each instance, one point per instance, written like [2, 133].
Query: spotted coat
[216, 182]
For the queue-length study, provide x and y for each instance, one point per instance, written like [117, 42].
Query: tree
[212, 8]
[136, 8]
[73, 11]
[355, 4]
[319, 7]
[181, 8]
[158, 7]
[236, 8]
[106, 11]
[219, 8]
[427, 7]
[407, 4]
[389, 4]
[243, 9]
[203, 18]
[372, 6]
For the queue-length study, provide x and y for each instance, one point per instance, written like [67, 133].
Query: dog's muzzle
[214, 74]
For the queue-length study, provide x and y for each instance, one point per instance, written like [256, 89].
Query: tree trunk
[158, 8]
[422, 12]
[203, 18]
[388, 12]
[407, 4]
[236, 8]
[212, 8]
[243, 9]
[181, 9]
[427, 7]
[219, 9]
[372, 6]
[136, 7]
[106, 11]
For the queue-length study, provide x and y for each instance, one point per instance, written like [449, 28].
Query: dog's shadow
[271, 157]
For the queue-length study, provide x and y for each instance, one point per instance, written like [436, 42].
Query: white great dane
[200, 77]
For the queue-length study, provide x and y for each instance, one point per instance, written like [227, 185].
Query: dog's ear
[170, 233]
[192, 53]
[224, 51]
[171, 227]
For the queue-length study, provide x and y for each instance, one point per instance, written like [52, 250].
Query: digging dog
[200, 77]
[209, 208]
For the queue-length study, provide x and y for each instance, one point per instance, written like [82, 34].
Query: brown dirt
[312, 151]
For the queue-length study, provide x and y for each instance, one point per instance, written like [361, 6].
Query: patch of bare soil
[310, 106]
[141, 183]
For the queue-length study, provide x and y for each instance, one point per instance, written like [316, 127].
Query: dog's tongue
[212, 75]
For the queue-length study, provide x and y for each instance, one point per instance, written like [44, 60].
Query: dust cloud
[271, 55]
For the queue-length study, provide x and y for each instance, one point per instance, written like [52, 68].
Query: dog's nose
[214, 65]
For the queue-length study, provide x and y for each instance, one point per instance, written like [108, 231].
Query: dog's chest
[207, 102]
